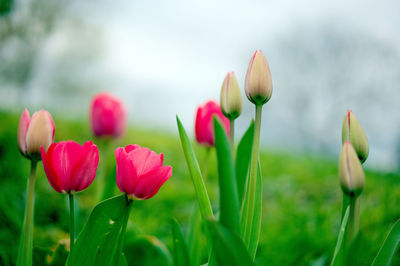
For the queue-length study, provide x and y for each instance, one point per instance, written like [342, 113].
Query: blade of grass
[228, 198]
[181, 256]
[389, 247]
[340, 245]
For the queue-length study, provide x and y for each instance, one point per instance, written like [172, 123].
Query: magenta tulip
[70, 167]
[107, 115]
[204, 126]
[35, 132]
[140, 171]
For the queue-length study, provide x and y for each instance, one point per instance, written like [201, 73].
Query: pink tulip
[204, 122]
[34, 133]
[69, 166]
[107, 115]
[140, 171]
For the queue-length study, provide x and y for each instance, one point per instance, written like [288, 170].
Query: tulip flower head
[351, 174]
[204, 126]
[231, 100]
[352, 131]
[70, 167]
[258, 84]
[34, 133]
[140, 171]
[107, 115]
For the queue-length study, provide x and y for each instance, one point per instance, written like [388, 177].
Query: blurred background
[166, 57]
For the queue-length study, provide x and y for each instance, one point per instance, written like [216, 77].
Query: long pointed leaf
[228, 196]
[194, 169]
[338, 255]
[181, 256]
[389, 247]
[99, 243]
[229, 248]
[256, 226]
[243, 157]
[196, 243]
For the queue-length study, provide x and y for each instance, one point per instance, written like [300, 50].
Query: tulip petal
[149, 184]
[126, 173]
[48, 168]
[144, 160]
[65, 156]
[84, 171]
[22, 130]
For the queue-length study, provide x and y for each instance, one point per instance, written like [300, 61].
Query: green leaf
[197, 179]
[228, 196]
[243, 157]
[389, 247]
[339, 250]
[181, 256]
[146, 251]
[256, 226]
[194, 169]
[196, 238]
[100, 242]
[229, 248]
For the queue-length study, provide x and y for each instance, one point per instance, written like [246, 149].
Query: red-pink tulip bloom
[140, 171]
[35, 132]
[70, 167]
[204, 126]
[107, 115]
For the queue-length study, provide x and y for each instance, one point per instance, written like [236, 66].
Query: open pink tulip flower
[204, 126]
[35, 132]
[70, 167]
[107, 115]
[140, 171]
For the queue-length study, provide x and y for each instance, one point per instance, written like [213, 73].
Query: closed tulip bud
[34, 133]
[231, 100]
[204, 126]
[258, 85]
[351, 174]
[70, 167]
[140, 171]
[107, 116]
[353, 132]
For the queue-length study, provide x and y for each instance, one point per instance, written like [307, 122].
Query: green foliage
[389, 247]
[146, 251]
[229, 248]
[338, 255]
[242, 161]
[101, 240]
[181, 255]
[301, 200]
[228, 197]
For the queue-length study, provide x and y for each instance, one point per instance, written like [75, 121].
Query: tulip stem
[232, 134]
[72, 220]
[354, 219]
[251, 182]
[25, 246]
[205, 163]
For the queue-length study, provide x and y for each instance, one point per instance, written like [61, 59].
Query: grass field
[301, 199]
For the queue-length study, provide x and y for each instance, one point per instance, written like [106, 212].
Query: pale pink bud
[258, 84]
[34, 133]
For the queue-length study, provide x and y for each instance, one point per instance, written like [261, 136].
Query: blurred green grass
[301, 199]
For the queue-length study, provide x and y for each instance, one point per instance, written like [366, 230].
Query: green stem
[204, 171]
[25, 248]
[251, 182]
[345, 204]
[71, 221]
[354, 219]
[232, 134]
